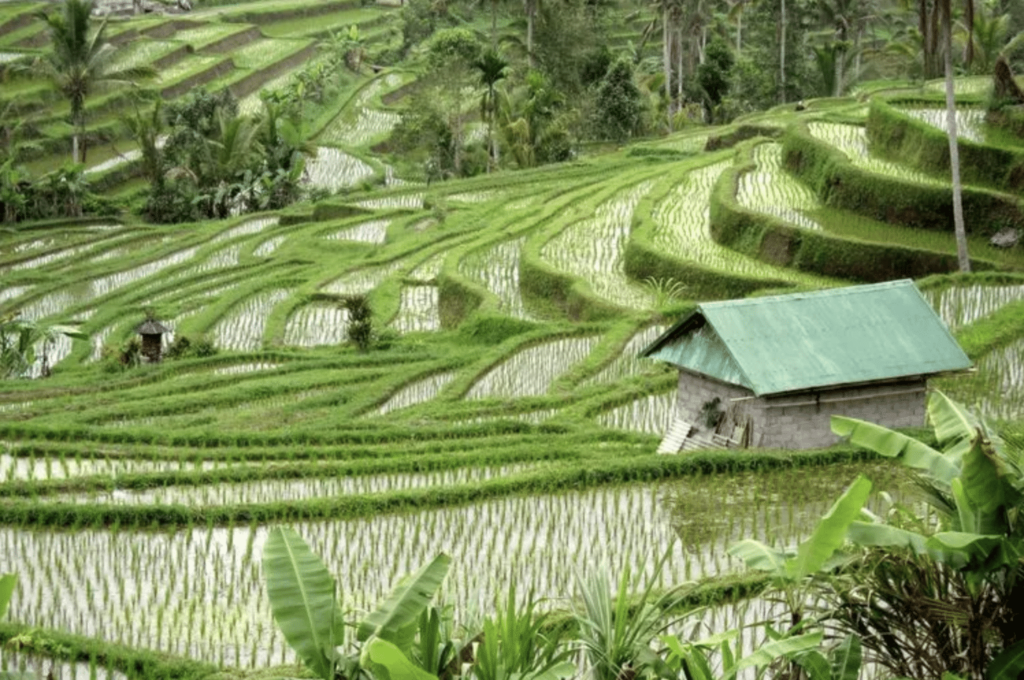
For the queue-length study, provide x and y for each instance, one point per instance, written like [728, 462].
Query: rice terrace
[367, 340]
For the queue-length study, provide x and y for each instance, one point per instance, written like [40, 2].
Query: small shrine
[152, 332]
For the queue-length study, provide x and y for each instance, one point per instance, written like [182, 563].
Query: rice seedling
[13, 293]
[682, 227]
[374, 231]
[267, 248]
[530, 372]
[963, 85]
[49, 258]
[212, 598]
[970, 122]
[251, 367]
[99, 340]
[241, 329]
[592, 249]
[272, 491]
[773, 191]
[258, 54]
[111, 282]
[56, 303]
[428, 271]
[474, 196]
[141, 52]
[416, 393]
[191, 64]
[418, 310]
[317, 324]
[534, 417]
[361, 124]
[205, 33]
[853, 141]
[246, 228]
[687, 143]
[333, 169]
[361, 280]
[961, 305]
[497, 269]
[996, 388]
[223, 258]
[31, 665]
[48, 467]
[629, 363]
[369, 125]
[406, 201]
[652, 414]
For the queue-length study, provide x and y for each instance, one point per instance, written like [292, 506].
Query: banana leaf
[890, 444]
[303, 600]
[395, 620]
[830, 533]
[389, 663]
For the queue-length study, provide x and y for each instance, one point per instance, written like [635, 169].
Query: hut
[152, 332]
[771, 371]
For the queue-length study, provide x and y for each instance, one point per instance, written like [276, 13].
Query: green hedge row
[136, 664]
[557, 449]
[773, 240]
[551, 479]
[907, 140]
[839, 183]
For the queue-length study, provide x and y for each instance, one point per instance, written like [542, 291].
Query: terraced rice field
[217, 607]
[497, 269]
[364, 123]
[508, 432]
[772, 191]
[852, 140]
[418, 310]
[652, 414]
[682, 225]
[317, 324]
[592, 249]
[333, 169]
[960, 306]
[970, 123]
[416, 392]
[241, 330]
[531, 371]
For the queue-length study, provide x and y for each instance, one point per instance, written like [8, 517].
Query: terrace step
[675, 437]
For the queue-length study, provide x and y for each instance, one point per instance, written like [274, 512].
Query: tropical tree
[81, 62]
[962, 256]
[493, 69]
[19, 339]
[945, 593]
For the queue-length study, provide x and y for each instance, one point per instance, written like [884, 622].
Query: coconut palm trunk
[666, 57]
[963, 259]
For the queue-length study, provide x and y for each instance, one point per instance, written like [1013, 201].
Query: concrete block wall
[788, 422]
[899, 404]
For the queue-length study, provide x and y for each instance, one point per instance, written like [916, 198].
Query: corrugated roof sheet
[788, 343]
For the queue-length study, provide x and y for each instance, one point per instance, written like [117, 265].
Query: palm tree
[963, 258]
[492, 69]
[80, 62]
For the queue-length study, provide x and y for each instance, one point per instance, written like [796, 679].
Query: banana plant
[975, 485]
[305, 603]
[815, 553]
[974, 482]
[691, 659]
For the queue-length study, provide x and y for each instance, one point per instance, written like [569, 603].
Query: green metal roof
[788, 343]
